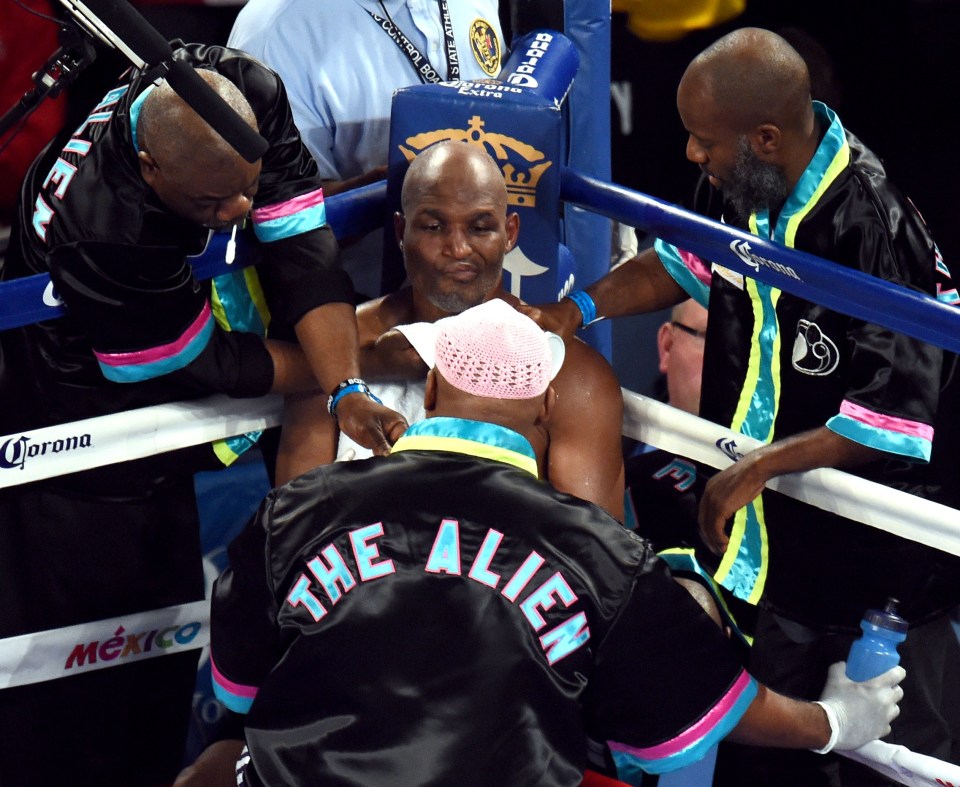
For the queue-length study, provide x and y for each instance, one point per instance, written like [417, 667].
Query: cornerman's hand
[563, 318]
[725, 494]
[370, 424]
[859, 712]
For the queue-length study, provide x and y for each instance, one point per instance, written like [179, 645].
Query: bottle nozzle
[888, 617]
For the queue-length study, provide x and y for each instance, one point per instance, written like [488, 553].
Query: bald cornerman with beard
[821, 389]
[111, 211]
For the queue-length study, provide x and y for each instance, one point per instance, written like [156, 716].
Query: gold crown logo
[522, 164]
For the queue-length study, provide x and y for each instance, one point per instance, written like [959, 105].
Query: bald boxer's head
[190, 167]
[745, 102]
[454, 228]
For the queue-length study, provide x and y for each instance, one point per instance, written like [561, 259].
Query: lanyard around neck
[421, 64]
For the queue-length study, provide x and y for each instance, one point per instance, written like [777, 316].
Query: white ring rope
[902, 514]
[905, 766]
[94, 442]
[72, 650]
[134, 434]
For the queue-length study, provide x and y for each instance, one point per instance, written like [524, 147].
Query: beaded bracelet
[586, 306]
[349, 386]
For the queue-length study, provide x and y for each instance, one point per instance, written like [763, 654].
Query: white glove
[859, 712]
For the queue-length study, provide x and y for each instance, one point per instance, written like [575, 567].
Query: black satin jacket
[117, 257]
[436, 618]
[776, 365]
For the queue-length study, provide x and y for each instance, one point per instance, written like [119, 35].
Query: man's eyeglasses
[701, 335]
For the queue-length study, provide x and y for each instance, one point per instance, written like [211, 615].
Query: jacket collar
[473, 438]
[830, 159]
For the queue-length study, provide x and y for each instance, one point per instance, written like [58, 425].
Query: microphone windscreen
[205, 102]
[132, 29]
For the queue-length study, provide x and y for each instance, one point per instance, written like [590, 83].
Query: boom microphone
[117, 24]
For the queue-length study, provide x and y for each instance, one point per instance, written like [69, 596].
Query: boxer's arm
[308, 438]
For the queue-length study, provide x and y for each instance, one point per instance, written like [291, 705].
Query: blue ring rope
[842, 289]
[351, 213]
[804, 275]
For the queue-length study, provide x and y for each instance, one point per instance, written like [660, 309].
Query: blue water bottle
[876, 650]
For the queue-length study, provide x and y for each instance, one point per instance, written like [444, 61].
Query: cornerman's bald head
[176, 136]
[189, 166]
[754, 76]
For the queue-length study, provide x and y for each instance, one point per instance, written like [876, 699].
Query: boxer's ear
[513, 230]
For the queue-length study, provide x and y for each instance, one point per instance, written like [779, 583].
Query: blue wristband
[586, 306]
[349, 386]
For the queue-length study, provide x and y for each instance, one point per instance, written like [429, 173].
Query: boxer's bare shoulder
[376, 317]
[585, 455]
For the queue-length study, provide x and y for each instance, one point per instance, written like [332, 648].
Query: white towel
[404, 397]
